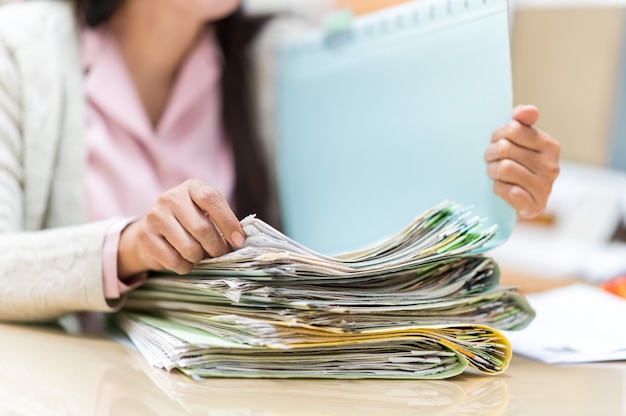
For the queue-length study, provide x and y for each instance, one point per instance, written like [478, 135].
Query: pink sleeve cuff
[114, 287]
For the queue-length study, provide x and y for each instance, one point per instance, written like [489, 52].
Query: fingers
[510, 171]
[525, 191]
[200, 230]
[185, 224]
[162, 253]
[505, 149]
[520, 134]
[526, 114]
[542, 162]
[523, 162]
[213, 203]
[142, 248]
[166, 242]
[528, 174]
[198, 221]
[523, 201]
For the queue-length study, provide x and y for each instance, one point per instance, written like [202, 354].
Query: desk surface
[47, 372]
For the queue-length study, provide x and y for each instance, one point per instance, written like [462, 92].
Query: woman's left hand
[523, 162]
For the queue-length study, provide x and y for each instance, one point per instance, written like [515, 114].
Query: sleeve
[43, 274]
[49, 273]
[11, 172]
[114, 287]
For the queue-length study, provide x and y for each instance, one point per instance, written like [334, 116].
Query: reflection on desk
[45, 371]
[472, 396]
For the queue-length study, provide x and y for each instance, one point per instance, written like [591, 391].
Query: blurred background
[568, 59]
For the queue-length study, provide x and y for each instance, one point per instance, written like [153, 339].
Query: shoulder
[23, 23]
[39, 40]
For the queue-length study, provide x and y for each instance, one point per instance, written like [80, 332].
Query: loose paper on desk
[577, 323]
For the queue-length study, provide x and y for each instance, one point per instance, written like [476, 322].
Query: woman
[88, 207]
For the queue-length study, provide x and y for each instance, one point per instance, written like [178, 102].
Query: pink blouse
[130, 162]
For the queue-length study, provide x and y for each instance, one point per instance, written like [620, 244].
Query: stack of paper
[423, 304]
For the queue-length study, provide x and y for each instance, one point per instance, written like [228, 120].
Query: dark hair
[234, 33]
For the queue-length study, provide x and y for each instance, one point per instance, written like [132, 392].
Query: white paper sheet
[577, 323]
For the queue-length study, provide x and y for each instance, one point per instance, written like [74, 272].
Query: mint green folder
[389, 115]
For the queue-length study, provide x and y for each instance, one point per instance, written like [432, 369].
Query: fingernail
[238, 239]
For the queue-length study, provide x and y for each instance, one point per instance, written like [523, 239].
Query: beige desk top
[46, 372]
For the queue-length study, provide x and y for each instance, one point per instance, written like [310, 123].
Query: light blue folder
[389, 117]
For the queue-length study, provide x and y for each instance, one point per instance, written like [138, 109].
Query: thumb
[526, 114]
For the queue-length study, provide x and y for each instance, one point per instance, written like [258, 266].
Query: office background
[568, 58]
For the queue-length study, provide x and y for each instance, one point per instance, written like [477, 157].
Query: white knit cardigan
[49, 264]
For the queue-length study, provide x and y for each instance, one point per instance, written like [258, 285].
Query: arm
[46, 274]
[43, 274]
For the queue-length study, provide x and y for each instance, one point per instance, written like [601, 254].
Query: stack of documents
[422, 304]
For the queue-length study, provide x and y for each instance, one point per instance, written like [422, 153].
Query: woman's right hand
[186, 224]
